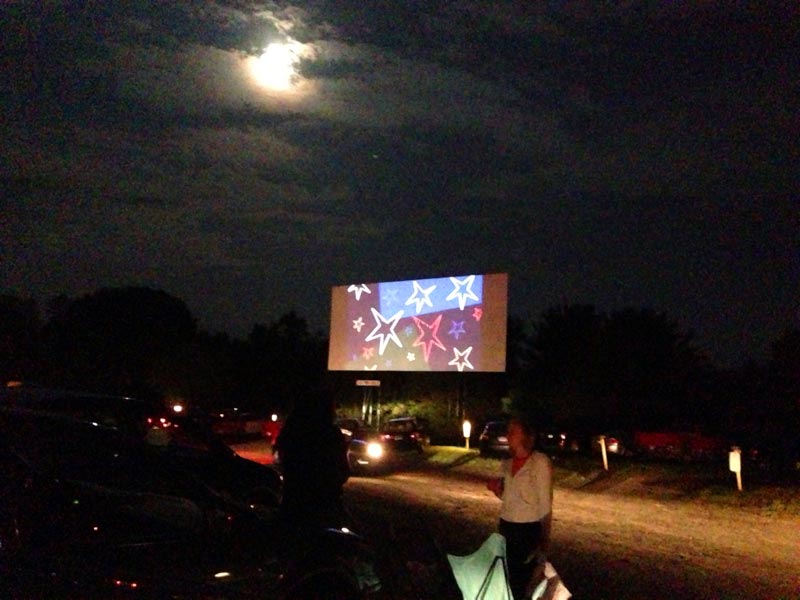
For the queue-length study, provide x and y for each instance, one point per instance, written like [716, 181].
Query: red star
[433, 340]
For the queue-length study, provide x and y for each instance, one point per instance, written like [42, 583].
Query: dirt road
[605, 546]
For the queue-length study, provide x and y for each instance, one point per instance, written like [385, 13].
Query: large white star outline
[420, 301]
[358, 290]
[458, 284]
[385, 337]
[461, 359]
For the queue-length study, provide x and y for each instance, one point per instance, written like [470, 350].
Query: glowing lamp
[466, 428]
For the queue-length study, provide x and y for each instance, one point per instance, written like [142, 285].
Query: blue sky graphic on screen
[436, 324]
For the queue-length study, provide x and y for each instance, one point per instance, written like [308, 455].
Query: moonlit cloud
[618, 154]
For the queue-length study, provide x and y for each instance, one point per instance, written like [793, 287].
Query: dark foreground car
[185, 440]
[89, 511]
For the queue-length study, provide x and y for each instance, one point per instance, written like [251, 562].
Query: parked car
[493, 440]
[88, 510]
[402, 434]
[272, 428]
[236, 423]
[616, 442]
[683, 445]
[365, 449]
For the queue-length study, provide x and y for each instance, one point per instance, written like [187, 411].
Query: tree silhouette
[20, 329]
[285, 361]
[632, 368]
[122, 340]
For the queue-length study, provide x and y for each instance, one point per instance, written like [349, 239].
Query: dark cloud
[615, 153]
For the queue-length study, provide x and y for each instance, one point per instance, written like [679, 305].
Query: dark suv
[493, 440]
[405, 433]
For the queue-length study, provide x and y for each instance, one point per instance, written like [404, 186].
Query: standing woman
[526, 515]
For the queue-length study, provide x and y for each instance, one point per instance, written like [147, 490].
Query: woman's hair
[526, 422]
[528, 427]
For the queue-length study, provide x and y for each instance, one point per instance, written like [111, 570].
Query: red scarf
[516, 463]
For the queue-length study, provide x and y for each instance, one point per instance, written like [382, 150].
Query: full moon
[275, 68]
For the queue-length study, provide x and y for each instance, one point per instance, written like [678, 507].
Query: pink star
[433, 340]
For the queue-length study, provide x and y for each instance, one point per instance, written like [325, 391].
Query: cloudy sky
[619, 154]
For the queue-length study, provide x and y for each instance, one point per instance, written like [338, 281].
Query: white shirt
[527, 496]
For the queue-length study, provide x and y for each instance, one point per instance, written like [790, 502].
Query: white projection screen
[442, 324]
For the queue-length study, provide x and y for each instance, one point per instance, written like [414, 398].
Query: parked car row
[493, 441]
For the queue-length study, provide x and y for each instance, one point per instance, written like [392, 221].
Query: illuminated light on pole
[177, 408]
[466, 428]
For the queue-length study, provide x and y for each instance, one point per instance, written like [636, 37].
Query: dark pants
[522, 539]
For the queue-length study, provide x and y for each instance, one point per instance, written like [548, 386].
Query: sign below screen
[441, 324]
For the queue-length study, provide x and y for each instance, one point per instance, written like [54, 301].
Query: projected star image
[437, 324]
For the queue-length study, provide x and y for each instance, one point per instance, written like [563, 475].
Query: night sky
[619, 154]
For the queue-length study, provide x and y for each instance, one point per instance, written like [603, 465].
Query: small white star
[358, 290]
[464, 359]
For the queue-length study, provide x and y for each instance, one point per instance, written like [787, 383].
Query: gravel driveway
[605, 545]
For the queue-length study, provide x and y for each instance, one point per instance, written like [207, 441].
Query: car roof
[88, 406]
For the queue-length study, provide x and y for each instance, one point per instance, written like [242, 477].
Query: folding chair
[483, 575]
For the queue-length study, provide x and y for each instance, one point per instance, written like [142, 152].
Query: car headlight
[374, 450]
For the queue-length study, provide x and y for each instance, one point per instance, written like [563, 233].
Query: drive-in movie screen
[441, 324]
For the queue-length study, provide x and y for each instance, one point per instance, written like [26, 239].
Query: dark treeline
[630, 369]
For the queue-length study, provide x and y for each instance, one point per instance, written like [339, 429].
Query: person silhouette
[313, 456]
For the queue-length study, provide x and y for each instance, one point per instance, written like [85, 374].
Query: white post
[735, 465]
[603, 451]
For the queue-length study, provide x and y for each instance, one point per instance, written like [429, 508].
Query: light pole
[466, 428]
